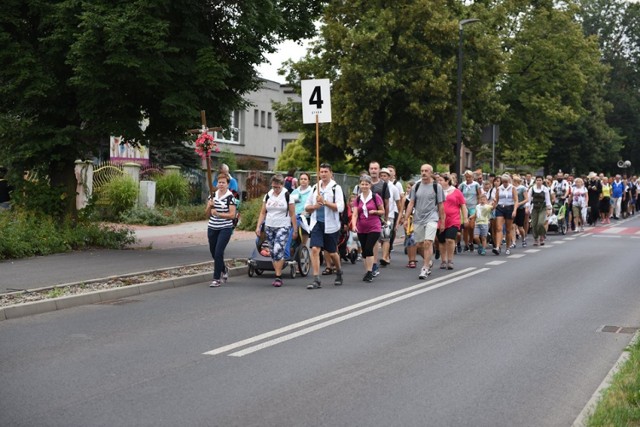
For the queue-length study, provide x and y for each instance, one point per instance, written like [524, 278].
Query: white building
[256, 130]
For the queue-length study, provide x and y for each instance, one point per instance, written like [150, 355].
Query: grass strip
[620, 403]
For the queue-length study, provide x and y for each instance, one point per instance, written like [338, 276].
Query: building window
[269, 120]
[232, 134]
[256, 118]
[262, 114]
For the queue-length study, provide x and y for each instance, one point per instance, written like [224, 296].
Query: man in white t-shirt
[394, 208]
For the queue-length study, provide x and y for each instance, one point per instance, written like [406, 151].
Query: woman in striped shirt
[221, 209]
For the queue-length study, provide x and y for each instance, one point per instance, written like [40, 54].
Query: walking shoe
[513, 246]
[338, 281]
[424, 272]
[375, 270]
[437, 254]
[443, 265]
[368, 277]
[483, 252]
[215, 284]
[314, 285]
[495, 250]
[524, 243]
[459, 248]
[277, 283]
[507, 252]
[466, 248]
[471, 247]
[450, 266]
[480, 250]
[225, 274]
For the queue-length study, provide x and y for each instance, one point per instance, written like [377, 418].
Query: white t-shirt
[277, 209]
[393, 199]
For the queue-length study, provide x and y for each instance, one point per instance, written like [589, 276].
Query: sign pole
[317, 151]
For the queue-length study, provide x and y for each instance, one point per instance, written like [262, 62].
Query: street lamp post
[461, 24]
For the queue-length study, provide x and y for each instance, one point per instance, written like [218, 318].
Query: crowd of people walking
[441, 217]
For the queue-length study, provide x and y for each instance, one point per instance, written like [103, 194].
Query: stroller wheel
[251, 271]
[259, 271]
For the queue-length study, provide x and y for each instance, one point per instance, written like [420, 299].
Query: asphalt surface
[499, 341]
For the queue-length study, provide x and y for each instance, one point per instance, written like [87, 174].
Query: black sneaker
[368, 277]
[437, 254]
[338, 281]
[314, 285]
[495, 250]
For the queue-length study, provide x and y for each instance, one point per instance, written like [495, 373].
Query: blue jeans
[218, 241]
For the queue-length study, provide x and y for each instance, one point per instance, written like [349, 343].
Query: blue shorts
[481, 230]
[319, 239]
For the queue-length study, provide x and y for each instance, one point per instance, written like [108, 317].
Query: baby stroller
[297, 257]
[558, 219]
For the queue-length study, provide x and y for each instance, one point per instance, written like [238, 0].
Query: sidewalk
[158, 247]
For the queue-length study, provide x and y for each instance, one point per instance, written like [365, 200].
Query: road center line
[333, 321]
[300, 324]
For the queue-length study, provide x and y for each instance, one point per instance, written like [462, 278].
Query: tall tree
[393, 69]
[76, 71]
[616, 23]
[551, 65]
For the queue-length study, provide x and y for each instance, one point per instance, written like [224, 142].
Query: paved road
[500, 341]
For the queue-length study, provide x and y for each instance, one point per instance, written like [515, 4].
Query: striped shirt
[221, 205]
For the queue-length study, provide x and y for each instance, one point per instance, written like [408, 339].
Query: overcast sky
[286, 50]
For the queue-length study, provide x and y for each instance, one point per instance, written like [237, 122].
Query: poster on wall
[121, 151]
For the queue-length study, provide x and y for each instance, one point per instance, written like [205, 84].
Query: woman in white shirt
[506, 204]
[580, 199]
[279, 216]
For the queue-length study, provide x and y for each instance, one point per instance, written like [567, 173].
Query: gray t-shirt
[425, 209]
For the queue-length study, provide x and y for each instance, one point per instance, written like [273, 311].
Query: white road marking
[322, 325]
[637, 232]
[607, 236]
[495, 262]
[569, 238]
[615, 230]
[288, 328]
[560, 242]
[516, 256]
[531, 251]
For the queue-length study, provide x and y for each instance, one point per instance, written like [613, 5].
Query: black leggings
[368, 241]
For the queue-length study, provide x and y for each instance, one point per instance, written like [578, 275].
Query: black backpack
[286, 197]
[435, 190]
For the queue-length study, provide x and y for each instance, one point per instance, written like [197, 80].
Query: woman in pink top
[365, 220]
[454, 205]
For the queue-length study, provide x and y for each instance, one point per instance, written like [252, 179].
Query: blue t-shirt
[617, 188]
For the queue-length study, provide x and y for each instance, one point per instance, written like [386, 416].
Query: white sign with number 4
[316, 101]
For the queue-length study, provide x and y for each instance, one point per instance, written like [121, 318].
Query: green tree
[617, 26]
[295, 155]
[550, 67]
[74, 72]
[393, 72]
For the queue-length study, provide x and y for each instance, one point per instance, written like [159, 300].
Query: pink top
[452, 205]
[370, 224]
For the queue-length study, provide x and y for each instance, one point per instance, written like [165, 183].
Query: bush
[249, 213]
[120, 194]
[172, 189]
[26, 234]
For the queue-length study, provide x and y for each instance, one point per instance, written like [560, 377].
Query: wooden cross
[202, 130]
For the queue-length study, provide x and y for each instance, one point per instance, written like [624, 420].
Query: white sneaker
[215, 284]
[508, 251]
[424, 272]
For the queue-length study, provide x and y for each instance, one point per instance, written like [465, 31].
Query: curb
[54, 304]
